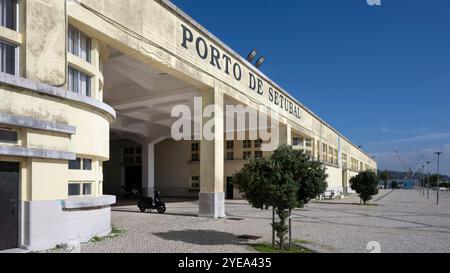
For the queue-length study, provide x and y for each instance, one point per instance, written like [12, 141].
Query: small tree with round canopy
[288, 179]
[365, 184]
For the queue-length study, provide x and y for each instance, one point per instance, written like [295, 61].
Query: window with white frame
[297, 141]
[8, 58]
[79, 44]
[308, 143]
[80, 164]
[79, 82]
[344, 161]
[8, 14]
[80, 189]
[324, 153]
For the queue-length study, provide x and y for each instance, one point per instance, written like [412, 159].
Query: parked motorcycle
[146, 203]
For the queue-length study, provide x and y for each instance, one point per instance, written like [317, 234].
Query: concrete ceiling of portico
[143, 97]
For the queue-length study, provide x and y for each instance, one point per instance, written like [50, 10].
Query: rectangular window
[324, 153]
[297, 141]
[138, 155]
[230, 145]
[258, 154]
[230, 156]
[195, 147]
[361, 167]
[330, 155]
[74, 190]
[87, 164]
[80, 189]
[258, 143]
[195, 157]
[8, 58]
[75, 164]
[87, 189]
[308, 143]
[195, 182]
[79, 44]
[8, 136]
[8, 14]
[247, 144]
[79, 82]
[336, 157]
[344, 161]
[247, 155]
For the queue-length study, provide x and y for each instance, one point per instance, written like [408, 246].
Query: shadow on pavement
[201, 237]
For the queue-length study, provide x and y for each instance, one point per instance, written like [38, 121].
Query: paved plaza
[399, 221]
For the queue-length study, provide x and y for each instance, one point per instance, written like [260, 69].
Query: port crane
[409, 172]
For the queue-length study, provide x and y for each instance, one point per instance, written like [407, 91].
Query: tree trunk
[290, 229]
[273, 227]
[281, 227]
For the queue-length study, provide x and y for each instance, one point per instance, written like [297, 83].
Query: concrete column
[285, 135]
[148, 166]
[212, 195]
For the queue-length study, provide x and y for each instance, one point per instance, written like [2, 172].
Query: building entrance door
[133, 177]
[230, 188]
[9, 201]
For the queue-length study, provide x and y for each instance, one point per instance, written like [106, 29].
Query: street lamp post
[428, 180]
[438, 186]
[423, 180]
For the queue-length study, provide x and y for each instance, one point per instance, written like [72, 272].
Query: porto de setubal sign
[211, 54]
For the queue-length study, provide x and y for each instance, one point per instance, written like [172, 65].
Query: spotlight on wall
[260, 61]
[251, 56]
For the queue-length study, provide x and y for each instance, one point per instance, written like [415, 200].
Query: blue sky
[378, 74]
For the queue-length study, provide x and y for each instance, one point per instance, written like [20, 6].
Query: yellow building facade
[87, 90]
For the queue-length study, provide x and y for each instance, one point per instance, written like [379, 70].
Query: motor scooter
[146, 203]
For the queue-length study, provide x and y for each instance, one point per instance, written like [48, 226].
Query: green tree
[288, 179]
[394, 185]
[365, 184]
[385, 176]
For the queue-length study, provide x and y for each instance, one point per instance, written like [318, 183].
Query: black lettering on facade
[223, 61]
[260, 87]
[252, 81]
[237, 72]
[227, 63]
[215, 56]
[187, 36]
[202, 41]
[270, 94]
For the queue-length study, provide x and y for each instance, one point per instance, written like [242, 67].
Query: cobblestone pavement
[400, 221]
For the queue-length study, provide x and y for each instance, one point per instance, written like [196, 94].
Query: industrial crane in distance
[409, 172]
